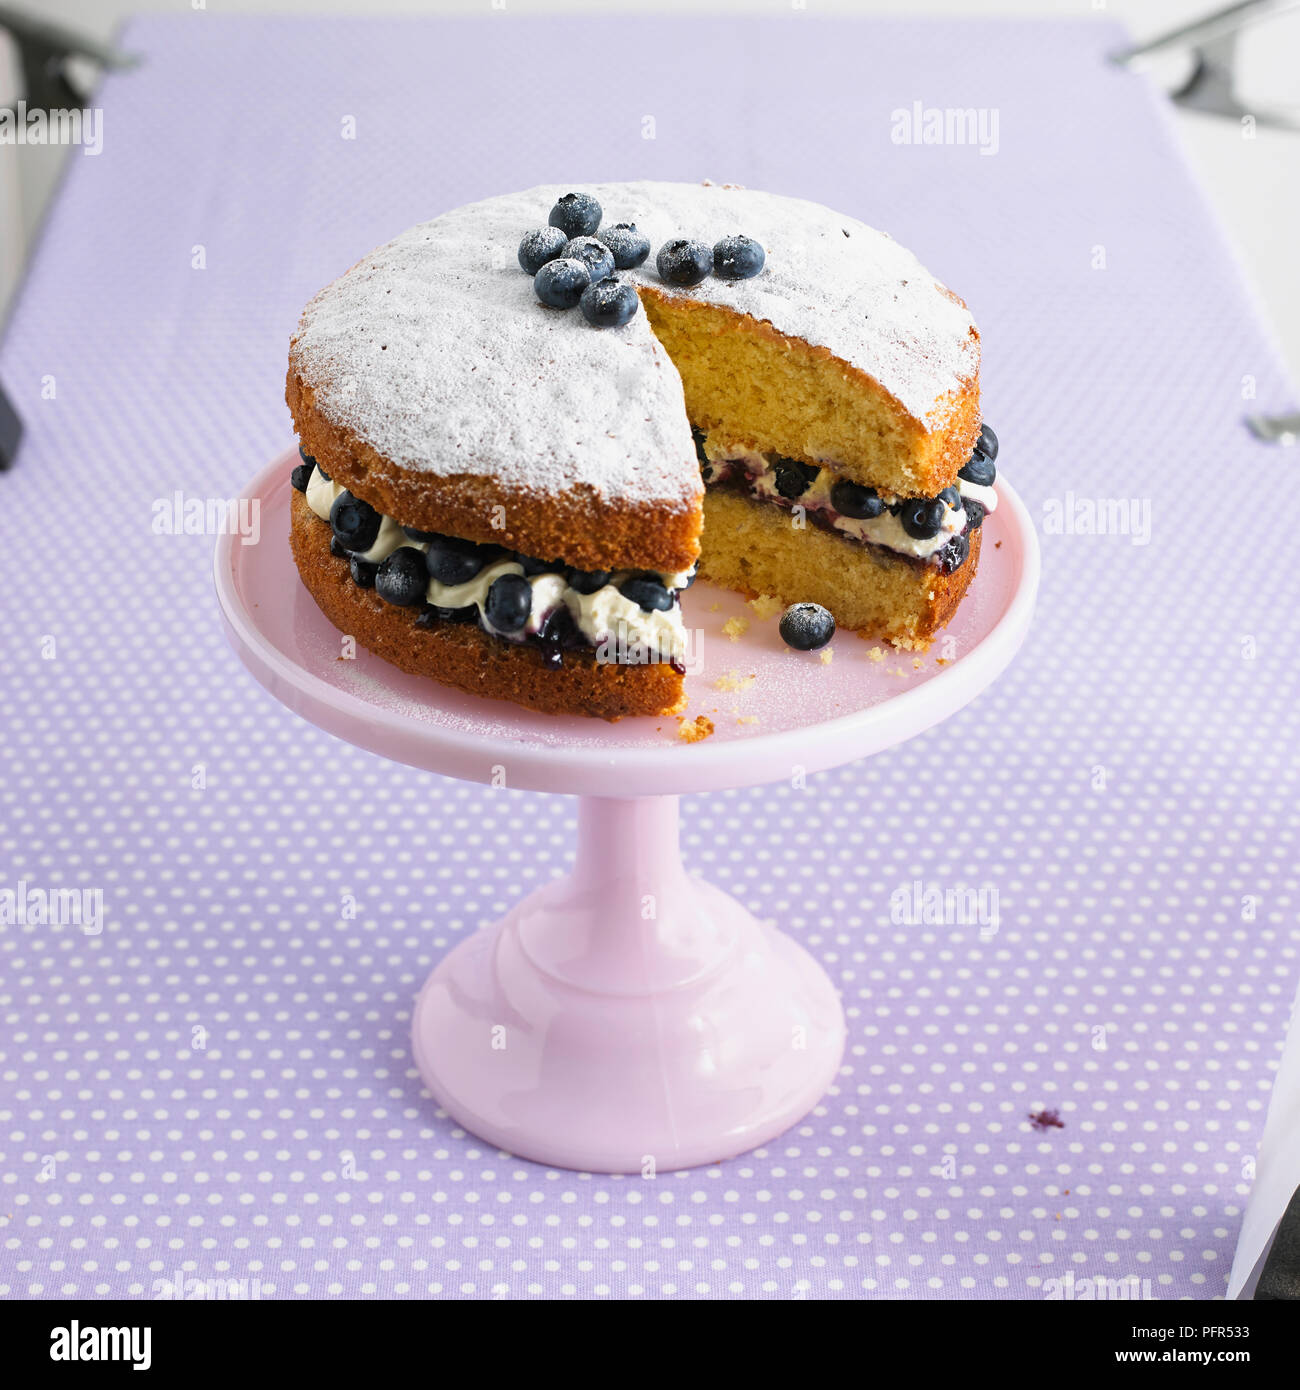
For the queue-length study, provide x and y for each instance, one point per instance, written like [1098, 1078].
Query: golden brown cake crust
[576, 526]
[465, 656]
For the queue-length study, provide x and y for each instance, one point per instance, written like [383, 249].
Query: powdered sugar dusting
[434, 350]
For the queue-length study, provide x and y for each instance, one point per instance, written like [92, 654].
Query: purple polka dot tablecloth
[205, 1076]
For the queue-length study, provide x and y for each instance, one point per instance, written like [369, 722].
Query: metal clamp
[1212, 87]
[44, 50]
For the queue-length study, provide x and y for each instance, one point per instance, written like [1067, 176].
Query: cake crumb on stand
[694, 730]
[765, 606]
[735, 628]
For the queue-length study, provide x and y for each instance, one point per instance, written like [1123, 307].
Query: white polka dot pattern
[218, 1085]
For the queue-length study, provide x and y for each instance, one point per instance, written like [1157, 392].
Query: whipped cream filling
[607, 616]
[987, 497]
[885, 530]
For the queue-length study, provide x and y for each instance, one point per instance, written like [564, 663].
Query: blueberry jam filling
[626, 615]
[793, 478]
[933, 531]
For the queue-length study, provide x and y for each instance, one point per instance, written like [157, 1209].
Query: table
[218, 1082]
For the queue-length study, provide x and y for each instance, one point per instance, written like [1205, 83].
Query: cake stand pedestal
[627, 1017]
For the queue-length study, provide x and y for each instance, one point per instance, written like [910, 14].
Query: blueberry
[683, 262]
[793, 478]
[432, 615]
[987, 443]
[699, 437]
[922, 517]
[336, 549]
[561, 283]
[852, 499]
[402, 578]
[738, 258]
[451, 560]
[306, 457]
[363, 572]
[629, 246]
[980, 470]
[558, 627]
[609, 303]
[806, 626]
[593, 253]
[467, 613]
[413, 533]
[974, 513]
[301, 476]
[576, 214]
[951, 496]
[509, 602]
[322, 472]
[953, 555]
[540, 246]
[355, 523]
[531, 566]
[588, 581]
[648, 592]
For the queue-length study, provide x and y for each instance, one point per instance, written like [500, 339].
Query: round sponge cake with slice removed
[568, 462]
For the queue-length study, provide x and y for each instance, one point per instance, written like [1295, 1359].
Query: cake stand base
[628, 1018]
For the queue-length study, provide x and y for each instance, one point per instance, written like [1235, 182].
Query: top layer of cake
[433, 354]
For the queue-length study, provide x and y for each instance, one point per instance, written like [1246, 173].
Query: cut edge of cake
[753, 385]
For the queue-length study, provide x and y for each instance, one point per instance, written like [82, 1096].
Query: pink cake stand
[629, 1016]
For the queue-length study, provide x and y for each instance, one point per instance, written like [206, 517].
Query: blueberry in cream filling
[931, 530]
[511, 596]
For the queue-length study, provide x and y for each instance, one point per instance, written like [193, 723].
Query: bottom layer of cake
[465, 656]
[754, 548]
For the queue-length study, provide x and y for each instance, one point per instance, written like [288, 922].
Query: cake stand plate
[628, 1017]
